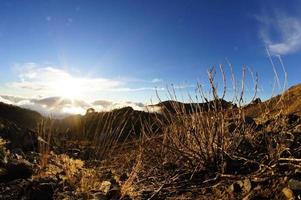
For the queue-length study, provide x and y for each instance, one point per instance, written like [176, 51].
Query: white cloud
[46, 81]
[59, 107]
[157, 80]
[288, 30]
[4, 100]
[51, 81]
[53, 91]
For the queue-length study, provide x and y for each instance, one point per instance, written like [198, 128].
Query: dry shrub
[127, 187]
[196, 139]
[3, 152]
[72, 173]
[199, 138]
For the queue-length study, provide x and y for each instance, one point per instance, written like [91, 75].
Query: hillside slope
[287, 103]
[21, 116]
[176, 107]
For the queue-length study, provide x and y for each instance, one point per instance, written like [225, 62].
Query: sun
[68, 87]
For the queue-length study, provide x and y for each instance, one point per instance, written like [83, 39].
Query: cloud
[157, 80]
[4, 100]
[281, 33]
[51, 81]
[103, 105]
[58, 107]
[53, 91]
[35, 79]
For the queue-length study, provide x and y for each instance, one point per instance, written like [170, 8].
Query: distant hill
[21, 116]
[176, 107]
[288, 103]
[124, 121]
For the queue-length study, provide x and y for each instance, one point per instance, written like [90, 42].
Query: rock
[231, 127]
[114, 193]
[235, 188]
[14, 189]
[239, 166]
[256, 101]
[239, 124]
[42, 189]
[288, 193]
[105, 186]
[109, 190]
[74, 153]
[246, 148]
[247, 185]
[285, 154]
[16, 169]
[291, 119]
[250, 122]
[169, 166]
[294, 184]
[244, 186]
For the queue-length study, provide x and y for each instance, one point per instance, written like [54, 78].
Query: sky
[113, 53]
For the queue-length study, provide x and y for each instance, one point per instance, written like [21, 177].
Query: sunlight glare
[68, 88]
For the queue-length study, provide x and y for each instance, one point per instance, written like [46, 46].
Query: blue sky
[121, 50]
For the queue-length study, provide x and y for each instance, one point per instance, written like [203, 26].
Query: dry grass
[45, 132]
[3, 152]
[200, 140]
[196, 149]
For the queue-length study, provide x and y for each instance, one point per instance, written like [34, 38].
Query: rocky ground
[257, 172]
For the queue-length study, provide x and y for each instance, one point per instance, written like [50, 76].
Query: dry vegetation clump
[72, 168]
[194, 147]
[215, 150]
[3, 154]
[71, 173]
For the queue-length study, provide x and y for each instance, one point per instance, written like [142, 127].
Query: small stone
[16, 169]
[114, 193]
[247, 185]
[291, 119]
[235, 188]
[241, 186]
[288, 193]
[105, 186]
